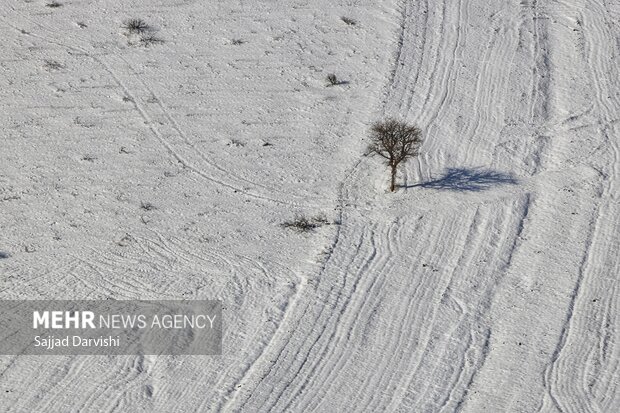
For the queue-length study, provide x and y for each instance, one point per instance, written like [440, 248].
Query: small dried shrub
[147, 206]
[236, 143]
[89, 158]
[332, 80]
[53, 65]
[304, 224]
[135, 25]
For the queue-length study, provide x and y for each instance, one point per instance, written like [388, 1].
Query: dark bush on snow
[332, 80]
[304, 224]
[135, 25]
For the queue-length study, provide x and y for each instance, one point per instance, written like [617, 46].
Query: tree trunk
[393, 179]
[417, 159]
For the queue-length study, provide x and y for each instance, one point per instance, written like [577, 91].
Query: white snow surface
[488, 282]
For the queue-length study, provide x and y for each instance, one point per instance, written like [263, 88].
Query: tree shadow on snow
[468, 180]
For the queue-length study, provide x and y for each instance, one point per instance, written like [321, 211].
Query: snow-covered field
[487, 283]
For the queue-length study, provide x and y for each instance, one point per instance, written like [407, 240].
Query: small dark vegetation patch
[348, 20]
[236, 143]
[4, 255]
[52, 65]
[147, 206]
[136, 25]
[332, 80]
[237, 42]
[304, 224]
[140, 33]
[54, 4]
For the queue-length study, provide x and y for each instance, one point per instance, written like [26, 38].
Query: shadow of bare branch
[468, 180]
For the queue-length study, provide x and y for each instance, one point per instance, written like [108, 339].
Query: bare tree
[394, 141]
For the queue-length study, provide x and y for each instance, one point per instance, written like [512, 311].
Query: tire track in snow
[175, 142]
[286, 362]
[133, 89]
[581, 373]
[431, 330]
[552, 228]
[137, 90]
[281, 336]
[409, 35]
[459, 334]
[316, 376]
